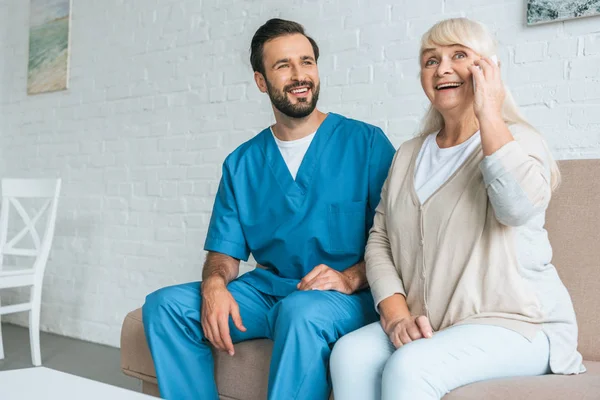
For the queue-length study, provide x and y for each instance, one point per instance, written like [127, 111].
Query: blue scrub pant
[303, 325]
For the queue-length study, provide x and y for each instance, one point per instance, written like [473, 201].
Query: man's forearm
[220, 266]
[357, 276]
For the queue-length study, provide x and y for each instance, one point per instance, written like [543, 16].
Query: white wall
[161, 91]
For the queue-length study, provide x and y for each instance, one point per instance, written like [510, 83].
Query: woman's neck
[457, 129]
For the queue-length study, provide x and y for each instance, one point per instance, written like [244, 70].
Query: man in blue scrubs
[300, 196]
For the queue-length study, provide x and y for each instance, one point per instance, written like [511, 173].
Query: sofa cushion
[573, 224]
[548, 387]
[245, 375]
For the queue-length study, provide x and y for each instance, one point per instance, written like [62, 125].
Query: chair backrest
[13, 192]
[573, 224]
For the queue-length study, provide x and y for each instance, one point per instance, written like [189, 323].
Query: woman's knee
[405, 365]
[406, 375]
[343, 354]
[361, 349]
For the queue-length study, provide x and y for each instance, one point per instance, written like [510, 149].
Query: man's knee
[171, 300]
[300, 310]
[156, 303]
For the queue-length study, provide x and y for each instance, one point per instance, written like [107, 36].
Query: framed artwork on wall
[49, 42]
[544, 11]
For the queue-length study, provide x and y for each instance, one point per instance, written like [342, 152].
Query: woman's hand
[489, 90]
[407, 329]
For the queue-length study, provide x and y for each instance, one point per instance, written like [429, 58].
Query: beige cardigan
[476, 251]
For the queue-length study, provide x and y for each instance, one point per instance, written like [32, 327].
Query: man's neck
[287, 128]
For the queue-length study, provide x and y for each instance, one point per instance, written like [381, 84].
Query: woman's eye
[430, 62]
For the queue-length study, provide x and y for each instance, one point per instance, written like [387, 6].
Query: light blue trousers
[366, 366]
[304, 326]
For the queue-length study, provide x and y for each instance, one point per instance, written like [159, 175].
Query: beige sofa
[573, 224]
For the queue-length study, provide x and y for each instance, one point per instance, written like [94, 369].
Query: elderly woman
[458, 259]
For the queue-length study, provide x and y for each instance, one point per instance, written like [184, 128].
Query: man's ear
[261, 82]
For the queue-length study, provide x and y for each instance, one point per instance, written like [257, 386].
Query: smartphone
[494, 59]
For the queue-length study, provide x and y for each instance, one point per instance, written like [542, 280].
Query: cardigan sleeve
[382, 274]
[517, 177]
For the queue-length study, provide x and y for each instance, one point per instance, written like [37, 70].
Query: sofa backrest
[573, 224]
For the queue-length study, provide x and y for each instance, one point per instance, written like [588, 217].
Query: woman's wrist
[490, 116]
[392, 309]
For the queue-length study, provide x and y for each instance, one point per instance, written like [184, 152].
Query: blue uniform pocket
[347, 228]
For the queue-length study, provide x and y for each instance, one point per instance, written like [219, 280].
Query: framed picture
[49, 39]
[544, 11]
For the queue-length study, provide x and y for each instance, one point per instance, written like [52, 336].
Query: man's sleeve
[225, 234]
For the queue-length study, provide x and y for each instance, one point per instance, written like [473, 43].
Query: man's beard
[300, 110]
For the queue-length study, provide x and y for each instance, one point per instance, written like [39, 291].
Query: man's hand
[217, 305]
[323, 277]
[405, 330]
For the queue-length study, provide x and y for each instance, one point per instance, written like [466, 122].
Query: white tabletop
[48, 384]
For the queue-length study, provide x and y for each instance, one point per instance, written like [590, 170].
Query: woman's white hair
[475, 36]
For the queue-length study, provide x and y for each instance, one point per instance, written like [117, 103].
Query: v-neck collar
[412, 167]
[298, 188]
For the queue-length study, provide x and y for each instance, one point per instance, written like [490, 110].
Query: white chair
[32, 275]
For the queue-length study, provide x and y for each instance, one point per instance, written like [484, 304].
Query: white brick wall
[161, 91]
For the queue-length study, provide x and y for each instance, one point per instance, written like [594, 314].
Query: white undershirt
[435, 165]
[293, 151]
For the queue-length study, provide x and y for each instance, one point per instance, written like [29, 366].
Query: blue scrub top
[323, 217]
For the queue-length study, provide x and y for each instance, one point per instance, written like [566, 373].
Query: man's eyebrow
[281, 60]
[286, 60]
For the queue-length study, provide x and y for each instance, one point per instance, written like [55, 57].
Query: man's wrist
[213, 281]
[352, 280]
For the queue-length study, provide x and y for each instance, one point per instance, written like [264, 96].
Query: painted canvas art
[543, 11]
[49, 25]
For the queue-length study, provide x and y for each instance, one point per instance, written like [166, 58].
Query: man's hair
[272, 29]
